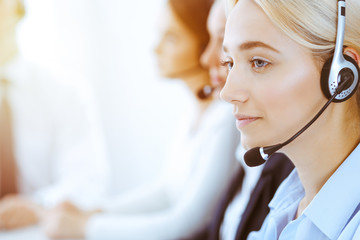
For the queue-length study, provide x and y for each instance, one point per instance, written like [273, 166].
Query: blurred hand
[66, 221]
[17, 212]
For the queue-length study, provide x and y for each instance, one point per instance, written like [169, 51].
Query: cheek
[185, 55]
[223, 72]
[171, 55]
[293, 100]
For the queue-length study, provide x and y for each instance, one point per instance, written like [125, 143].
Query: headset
[339, 81]
[340, 67]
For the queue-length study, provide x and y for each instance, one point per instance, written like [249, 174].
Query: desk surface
[31, 233]
[23, 234]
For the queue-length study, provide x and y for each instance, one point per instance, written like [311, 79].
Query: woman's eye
[227, 63]
[259, 63]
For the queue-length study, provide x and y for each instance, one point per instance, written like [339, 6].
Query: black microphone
[205, 92]
[258, 155]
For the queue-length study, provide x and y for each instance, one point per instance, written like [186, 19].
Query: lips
[244, 120]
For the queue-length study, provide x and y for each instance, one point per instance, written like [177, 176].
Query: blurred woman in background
[49, 129]
[201, 162]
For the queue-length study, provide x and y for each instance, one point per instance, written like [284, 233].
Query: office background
[109, 45]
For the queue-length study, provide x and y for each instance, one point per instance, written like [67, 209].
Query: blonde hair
[313, 23]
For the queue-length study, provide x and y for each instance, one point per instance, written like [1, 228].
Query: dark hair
[193, 13]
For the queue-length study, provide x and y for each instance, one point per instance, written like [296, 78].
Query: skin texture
[66, 221]
[261, 78]
[211, 58]
[17, 212]
[274, 86]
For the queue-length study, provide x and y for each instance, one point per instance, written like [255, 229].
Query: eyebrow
[253, 44]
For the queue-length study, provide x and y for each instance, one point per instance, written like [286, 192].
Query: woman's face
[178, 50]
[273, 82]
[213, 52]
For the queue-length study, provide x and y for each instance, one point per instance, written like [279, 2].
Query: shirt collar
[333, 206]
[289, 192]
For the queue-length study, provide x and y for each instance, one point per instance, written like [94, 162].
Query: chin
[246, 144]
[251, 142]
[164, 74]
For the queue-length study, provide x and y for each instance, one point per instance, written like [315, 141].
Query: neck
[195, 82]
[323, 147]
[8, 47]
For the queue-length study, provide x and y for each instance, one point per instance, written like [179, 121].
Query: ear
[351, 52]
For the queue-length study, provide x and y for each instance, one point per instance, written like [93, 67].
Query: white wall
[110, 42]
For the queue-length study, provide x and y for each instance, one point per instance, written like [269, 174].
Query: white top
[185, 197]
[238, 205]
[59, 146]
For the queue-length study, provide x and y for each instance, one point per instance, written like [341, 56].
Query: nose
[210, 58]
[235, 89]
[158, 46]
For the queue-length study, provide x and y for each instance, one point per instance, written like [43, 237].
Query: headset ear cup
[353, 91]
[324, 80]
[350, 59]
[325, 72]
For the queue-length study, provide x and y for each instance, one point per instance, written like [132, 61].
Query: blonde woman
[275, 52]
[244, 205]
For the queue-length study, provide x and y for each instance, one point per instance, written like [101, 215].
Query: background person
[201, 162]
[51, 143]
